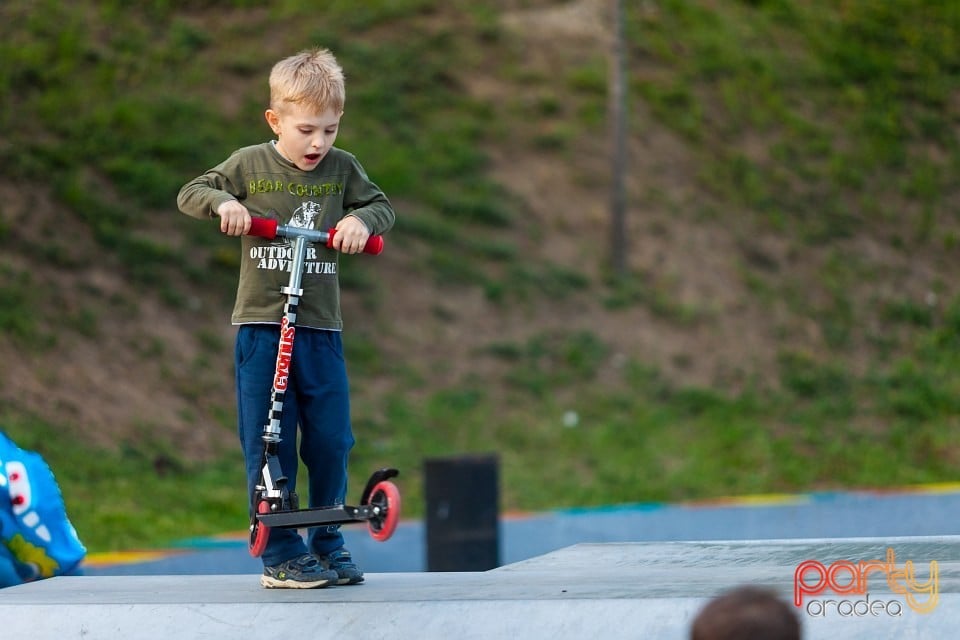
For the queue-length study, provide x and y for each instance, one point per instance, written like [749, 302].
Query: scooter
[275, 506]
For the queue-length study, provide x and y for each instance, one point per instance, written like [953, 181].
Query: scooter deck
[336, 514]
[317, 516]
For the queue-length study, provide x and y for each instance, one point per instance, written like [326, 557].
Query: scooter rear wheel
[386, 497]
[259, 532]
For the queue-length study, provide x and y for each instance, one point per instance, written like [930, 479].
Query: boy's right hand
[234, 218]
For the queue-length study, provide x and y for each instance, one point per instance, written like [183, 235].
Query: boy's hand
[234, 218]
[351, 236]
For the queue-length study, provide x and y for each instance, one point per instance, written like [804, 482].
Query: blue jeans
[317, 398]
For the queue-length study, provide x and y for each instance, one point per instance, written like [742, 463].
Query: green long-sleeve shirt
[270, 186]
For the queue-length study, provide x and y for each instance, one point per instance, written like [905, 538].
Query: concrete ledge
[642, 590]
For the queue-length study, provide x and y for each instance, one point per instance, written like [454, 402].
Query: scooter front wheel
[385, 498]
[259, 532]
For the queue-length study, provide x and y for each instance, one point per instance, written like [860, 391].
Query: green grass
[814, 123]
[641, 439]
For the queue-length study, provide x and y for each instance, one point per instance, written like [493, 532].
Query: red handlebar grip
[374, 244]
[263, 228]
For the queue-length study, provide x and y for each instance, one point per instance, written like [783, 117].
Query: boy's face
[303, 136]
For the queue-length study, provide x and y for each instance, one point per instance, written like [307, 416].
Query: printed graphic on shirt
[304, 216]
[277, 256]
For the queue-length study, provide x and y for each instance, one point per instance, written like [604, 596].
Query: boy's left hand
[351, 236]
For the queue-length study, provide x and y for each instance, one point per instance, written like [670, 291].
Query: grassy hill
[789, 321]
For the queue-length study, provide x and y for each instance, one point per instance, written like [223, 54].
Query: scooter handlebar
[270, 229]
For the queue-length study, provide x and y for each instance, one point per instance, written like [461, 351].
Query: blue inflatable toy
[37, 539]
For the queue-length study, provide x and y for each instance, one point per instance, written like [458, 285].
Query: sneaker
[302, 572]
[340, 562]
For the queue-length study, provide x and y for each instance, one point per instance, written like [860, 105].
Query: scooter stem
[271, 431]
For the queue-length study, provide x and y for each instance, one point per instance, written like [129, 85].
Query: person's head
[307, 97]
[746, 613]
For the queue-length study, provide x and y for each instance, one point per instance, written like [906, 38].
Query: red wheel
[259, 532]
[385, 497]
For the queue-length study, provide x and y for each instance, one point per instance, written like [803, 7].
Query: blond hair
[312, 78]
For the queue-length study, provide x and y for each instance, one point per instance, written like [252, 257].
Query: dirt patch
[100, 354]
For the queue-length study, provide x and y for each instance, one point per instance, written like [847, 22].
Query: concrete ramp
[641, 590]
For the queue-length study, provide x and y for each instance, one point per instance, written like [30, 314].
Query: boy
[300, 179]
